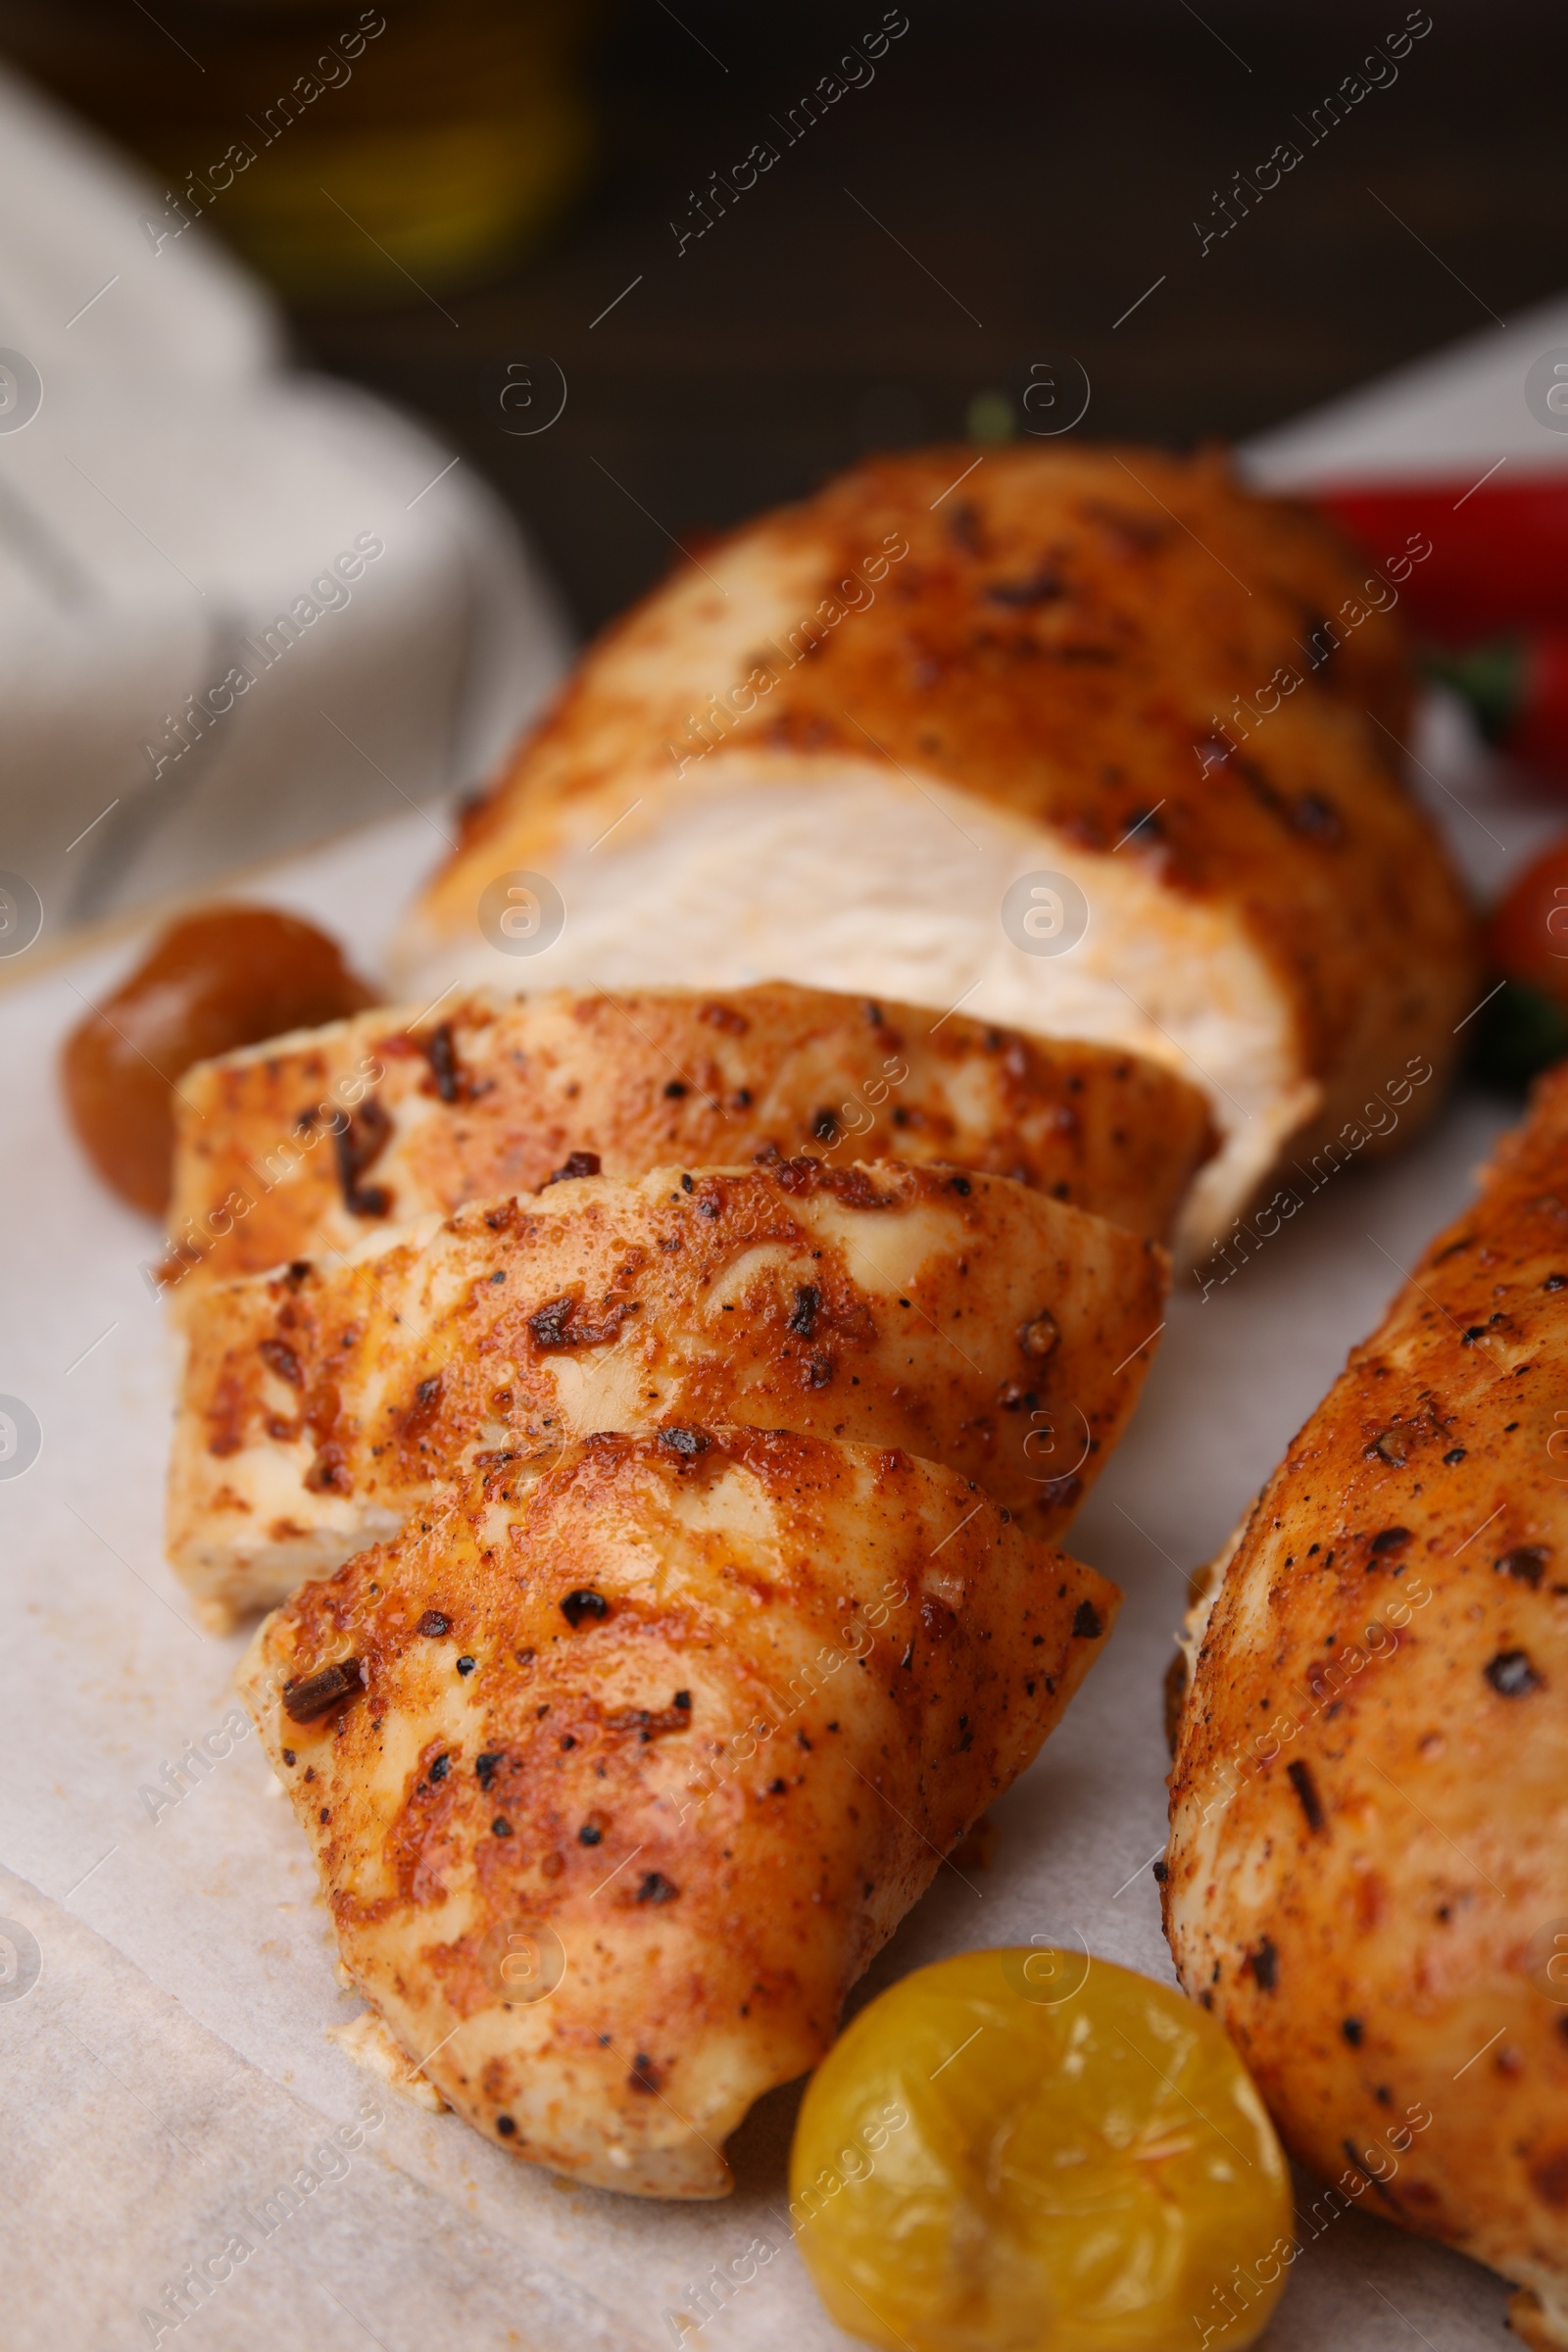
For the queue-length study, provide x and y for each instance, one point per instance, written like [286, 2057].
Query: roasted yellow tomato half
[1035, 2151]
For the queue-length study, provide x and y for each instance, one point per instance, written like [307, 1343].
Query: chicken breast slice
[618, 1776]
[961, 1317]
[1369, 1870]
[304, 1145]
[1094, 744]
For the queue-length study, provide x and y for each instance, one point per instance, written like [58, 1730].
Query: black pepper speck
[1511, 1675]
[583, 1605]
[684, 1442]
[1300, 1776]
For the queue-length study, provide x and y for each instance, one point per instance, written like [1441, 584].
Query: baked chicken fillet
[307, 1143]
[1368, 1869]
[618, 1777]
[864, 740]
[961, 1317]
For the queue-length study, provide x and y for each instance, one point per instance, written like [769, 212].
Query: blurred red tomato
[1528, 930]
[1497, 549]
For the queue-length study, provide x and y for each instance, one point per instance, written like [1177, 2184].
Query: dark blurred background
[482, 181]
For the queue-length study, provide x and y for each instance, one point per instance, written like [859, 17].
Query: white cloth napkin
[240, 609]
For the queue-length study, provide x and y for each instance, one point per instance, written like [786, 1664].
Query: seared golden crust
[674, 1738]
[1369, 1872]
[1059, 638]
[484, 1096]
[962, 1316]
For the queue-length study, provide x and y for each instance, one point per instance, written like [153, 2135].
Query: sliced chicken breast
[1369, 1870]
[1084, 740]
[305, 1144]
[619, 1773]
[963, 1317]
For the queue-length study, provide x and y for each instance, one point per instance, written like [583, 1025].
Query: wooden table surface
[1012, 180]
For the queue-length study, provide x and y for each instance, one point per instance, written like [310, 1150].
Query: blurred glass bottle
[449, 133]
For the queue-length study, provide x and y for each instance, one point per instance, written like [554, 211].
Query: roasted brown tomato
[227, 975]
